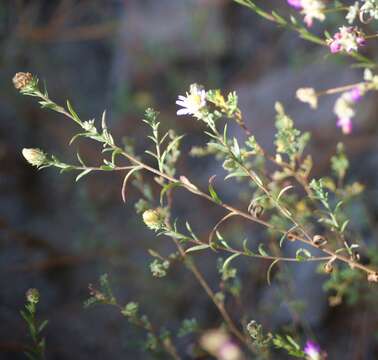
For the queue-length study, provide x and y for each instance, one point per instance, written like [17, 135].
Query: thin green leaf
[197, 248]
[124, 184]
[270, 270]
[228, 261]
[82, 174]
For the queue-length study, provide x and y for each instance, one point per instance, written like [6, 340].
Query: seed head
[21, 80]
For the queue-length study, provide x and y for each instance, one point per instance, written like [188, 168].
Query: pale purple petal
[296, 4]
[345, 124]
[355, 94]
[335, 47]
[312, 350]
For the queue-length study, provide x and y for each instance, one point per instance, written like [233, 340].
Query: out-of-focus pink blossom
[345, 124]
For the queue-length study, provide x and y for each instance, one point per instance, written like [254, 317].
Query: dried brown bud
[22, 80]
[355, 256]
[373, 277]
[328, 267]
[292, 236]
[335, 300]
[319, 240]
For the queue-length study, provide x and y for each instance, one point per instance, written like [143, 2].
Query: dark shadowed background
[125, 56]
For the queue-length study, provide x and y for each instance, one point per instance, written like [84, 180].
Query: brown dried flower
[22, 80]
[373, 277]
[319, 240]
[328, 267]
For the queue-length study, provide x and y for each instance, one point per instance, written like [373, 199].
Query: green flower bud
[35, 157]
[32, 296]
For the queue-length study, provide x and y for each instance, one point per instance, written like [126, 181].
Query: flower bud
[308, 95]
[153, 219]
[35, 157]
[32, 296]
[319, 240]
[21, 80]
[291, 236]
[328, 267]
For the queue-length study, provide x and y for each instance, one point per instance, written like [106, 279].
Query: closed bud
[291, 236]
[21, 80]
[153, 219]
[328, 267]
[319, 240]
[32, 296]
[35, 157]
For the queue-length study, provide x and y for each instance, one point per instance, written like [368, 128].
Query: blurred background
[125, 56]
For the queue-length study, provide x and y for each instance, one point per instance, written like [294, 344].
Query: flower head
[348, 39]
[35, 157]
[22, 79]
[308, 95]
[218, 343]
[345, 124]
[311, 9]
[312, 350]
[32, 296]
[296, 4]
[193, 102]
[353, 12]
[344, 108]
[153, 218]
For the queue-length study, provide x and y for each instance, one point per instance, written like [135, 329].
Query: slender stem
[191, 188]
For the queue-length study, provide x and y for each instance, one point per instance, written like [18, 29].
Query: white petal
[183, 112]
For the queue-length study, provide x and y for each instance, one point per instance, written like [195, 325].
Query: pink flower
[348, 39]
[345, 124]
[296, 4]
[355, 94]
[312, 350]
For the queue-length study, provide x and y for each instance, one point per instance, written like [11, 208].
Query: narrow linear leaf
[82, 174]
[283, 191]
[228, 261]
[270, 270]
[197, 248]
[212, 191]
[261, 250]
[125, 180]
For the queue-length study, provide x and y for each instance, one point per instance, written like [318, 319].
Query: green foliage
[289, 140]
[288, 344]
[339, 162]
[159, 268]
[36, 351]
[188, 327]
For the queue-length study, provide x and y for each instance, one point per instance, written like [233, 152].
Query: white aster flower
[353, 12]
[89, 126]
[312, 9]
[193, 102]
[308, 95]
[344, 107]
